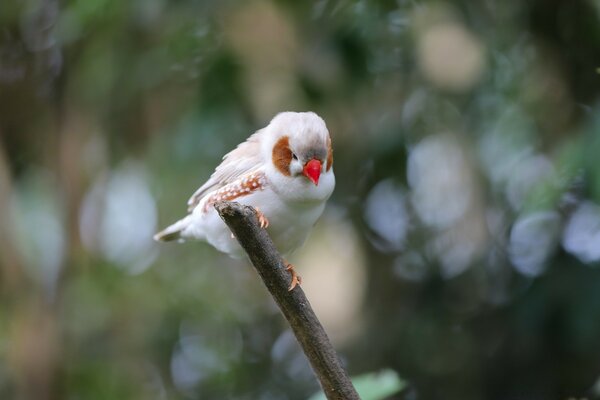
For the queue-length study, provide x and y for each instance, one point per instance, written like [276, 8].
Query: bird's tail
[173, 232]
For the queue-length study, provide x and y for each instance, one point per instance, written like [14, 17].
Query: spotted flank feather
[241, 187]
[245, 159]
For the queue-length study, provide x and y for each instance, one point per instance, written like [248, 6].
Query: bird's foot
[262, 220]
[296, 279]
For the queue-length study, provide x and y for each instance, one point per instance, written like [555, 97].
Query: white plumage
[284, 170]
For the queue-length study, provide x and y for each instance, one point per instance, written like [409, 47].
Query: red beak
[312, 170]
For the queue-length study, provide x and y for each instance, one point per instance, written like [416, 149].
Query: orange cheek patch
[329, 154]
[282, 155]
[239, 188]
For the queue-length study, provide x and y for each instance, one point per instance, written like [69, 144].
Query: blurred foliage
[460, 249]
[373, 386]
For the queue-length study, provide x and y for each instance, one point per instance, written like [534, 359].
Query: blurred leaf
[373, 386]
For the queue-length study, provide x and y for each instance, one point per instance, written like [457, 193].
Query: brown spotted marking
[329, 154]
[241, 187]
[282, 155]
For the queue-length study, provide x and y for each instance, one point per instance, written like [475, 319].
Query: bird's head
[301, 146]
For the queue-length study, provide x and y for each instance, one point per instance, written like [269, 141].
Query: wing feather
[244, 159]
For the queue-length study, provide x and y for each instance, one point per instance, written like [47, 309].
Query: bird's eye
[294, 156]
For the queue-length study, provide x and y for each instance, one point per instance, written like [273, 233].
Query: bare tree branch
[294, 305]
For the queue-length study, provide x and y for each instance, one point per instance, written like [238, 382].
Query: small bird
[284, 171]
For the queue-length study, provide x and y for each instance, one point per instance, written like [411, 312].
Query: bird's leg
[264, 222]
[296, 279]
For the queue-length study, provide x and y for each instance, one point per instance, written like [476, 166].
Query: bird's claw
[296, 279]
[262, 220]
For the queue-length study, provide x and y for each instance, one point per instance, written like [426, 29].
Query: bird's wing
[244, 159]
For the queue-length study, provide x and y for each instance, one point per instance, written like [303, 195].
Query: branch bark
[294, 305]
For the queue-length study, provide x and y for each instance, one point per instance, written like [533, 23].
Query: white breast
[291, 215]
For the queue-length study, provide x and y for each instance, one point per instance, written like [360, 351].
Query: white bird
[284, 171]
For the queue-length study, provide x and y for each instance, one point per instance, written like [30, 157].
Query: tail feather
[173, 232]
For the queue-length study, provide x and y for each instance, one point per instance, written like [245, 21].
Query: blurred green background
[461, 246]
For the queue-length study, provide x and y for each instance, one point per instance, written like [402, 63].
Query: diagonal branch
[294, 305]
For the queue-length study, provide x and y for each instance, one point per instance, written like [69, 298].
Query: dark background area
[460, 248]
